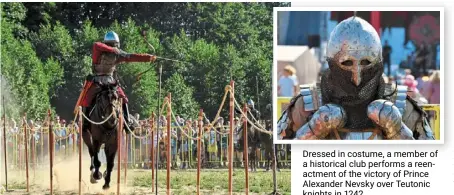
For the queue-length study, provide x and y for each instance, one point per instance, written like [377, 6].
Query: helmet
[354, 46]
[111, 37]
[250, 103]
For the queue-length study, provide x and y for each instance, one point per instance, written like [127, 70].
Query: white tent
[302, 59]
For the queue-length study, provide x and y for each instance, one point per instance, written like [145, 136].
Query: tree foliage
[46, 53]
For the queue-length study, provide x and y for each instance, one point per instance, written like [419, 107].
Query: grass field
[213, 181]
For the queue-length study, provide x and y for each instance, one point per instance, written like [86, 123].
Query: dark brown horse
[104, 111]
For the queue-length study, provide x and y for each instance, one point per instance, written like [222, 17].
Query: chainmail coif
[337, 87]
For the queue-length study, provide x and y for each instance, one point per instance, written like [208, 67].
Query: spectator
[413, 91]
[288, 84]
[387, 50]
[432, 90]
[411, 83]
[421, 60]
[422, 82]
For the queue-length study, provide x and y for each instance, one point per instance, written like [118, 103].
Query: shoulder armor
[311, 97]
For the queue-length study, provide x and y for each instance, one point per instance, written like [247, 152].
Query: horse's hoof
[105, 187]
[97, 175]
[92, 178]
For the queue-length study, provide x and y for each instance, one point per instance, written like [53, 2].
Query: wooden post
[35, 163]
[26, 151]
[4, 146]
[42, 145]
[127, 139]
[19, 148]
[74, 140]
[245, 149]
[199, 150]
[119, 130]
[51, 151]
[152, 151]
[169, 137]
[232, 104]
[81, 119]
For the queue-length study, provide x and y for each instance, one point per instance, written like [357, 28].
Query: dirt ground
[66, 181]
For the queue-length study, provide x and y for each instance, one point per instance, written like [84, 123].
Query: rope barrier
[98, 123]
[227, 89]
[251, 123]
[182, 130]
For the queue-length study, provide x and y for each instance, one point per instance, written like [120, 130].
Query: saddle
[105, 80]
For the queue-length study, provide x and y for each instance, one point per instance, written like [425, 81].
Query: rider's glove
[152, 58]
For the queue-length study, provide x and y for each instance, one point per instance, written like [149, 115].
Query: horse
[106, 109]
[267, 145]
[253, 138]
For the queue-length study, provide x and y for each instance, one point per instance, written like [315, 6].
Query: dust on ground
[65, 179]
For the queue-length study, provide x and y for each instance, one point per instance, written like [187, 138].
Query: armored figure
[352, 101]
[252, 111]
[105, 58]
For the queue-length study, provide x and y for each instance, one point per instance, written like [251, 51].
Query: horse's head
[107, 105]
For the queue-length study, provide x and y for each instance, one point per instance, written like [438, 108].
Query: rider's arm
[137, 58]
[98, 46]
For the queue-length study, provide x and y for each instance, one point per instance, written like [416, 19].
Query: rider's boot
[127, 120]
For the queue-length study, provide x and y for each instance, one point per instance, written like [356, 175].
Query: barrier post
[80, 147]
[51, 152]
[199, 152]
[74, 140]
[19, 148]
[4, 145]
[34, 152]
[127, 139]
[42, 144]
[26, 150]
[119, 130]
[245, 149]
[169, 137]
[232, 104]
[152, 151]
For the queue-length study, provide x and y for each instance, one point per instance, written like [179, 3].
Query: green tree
[183, 103]
[46, 52]
[24, 75]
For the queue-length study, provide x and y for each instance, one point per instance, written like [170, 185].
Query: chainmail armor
[107, 65]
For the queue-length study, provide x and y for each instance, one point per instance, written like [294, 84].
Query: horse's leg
[87, 140]
[256, 158]
[267, 159]
[110, 151]
[96, 175]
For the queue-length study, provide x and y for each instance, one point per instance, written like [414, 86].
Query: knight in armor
[105, 58]
[251, 108]
[352, 101]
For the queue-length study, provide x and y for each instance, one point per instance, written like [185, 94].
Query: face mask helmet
[354, 47]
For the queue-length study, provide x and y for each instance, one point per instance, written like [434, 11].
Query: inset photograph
[358, 75]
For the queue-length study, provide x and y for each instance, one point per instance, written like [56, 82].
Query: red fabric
[136, 58]
[375, 20]
[99, 48]
[92, 91]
